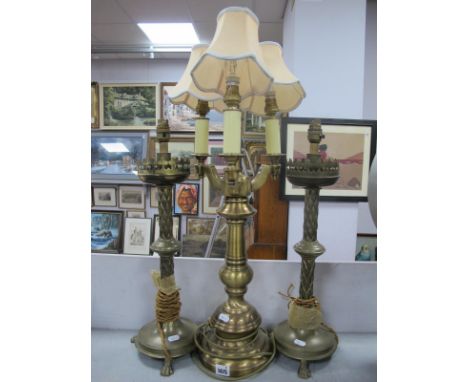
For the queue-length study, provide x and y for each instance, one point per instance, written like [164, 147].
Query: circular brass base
[304, 344]
[179, 338]
[232, 359]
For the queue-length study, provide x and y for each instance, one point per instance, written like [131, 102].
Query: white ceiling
[115, 33]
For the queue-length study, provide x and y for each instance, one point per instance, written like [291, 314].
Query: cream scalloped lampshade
[288, 90]
[185, 92]
[235, 40]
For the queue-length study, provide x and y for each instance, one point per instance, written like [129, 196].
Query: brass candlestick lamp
[168, 336]
[304, 336]
[231, 344]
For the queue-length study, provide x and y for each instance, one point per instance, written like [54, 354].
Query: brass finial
[163, 134]
[315, 135]
[202, 108]
[271, 107]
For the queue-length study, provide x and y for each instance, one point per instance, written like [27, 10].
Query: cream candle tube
[272, 136]
[232, 132]
[201, 135]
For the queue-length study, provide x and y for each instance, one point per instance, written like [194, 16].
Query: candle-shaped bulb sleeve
[272, 136]
[232, 131]
[201, 135]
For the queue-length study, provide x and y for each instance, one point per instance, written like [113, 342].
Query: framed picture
[105, 196]
[175, 227]
[186, 198]
[366, 247]
[351, 142]
[94, 105]
[198, 225]
[137, 236]
[211, 198]
[181, 118]
[184, 147]
[132, 197]
[252, 125]
[128, 106]
[215, 148]
[106, 231]
[114, 155]
[154, 197]
[136, 214]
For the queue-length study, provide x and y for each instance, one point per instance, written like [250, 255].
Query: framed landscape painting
[211, 198]
[351, 142]
[175, 227]
[199, 226]
[105, 196]
[132, 197]
[106, 231]
[128, 106]
[114, 155]
[182, 118]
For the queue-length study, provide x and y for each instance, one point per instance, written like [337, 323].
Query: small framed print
[132, 197]
[211, 198]
[106, 231]
[136, 214]
[128, 106]
[105, 196]
[186, 198]
[215, 148]
[137, 236]
[175, 227]
[199, 226]
[154, 197]
[366, 247]
[94, 105]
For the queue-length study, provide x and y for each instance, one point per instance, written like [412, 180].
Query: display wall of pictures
[132, 197]
[154, 197]
[351, 142]
[182, 118]
[186, 198]
[114, 155]
[94, 105]
[366, 247]
[199, 225]
[128, 106]
[184, 147]
[252, 125]
[211, 198]
[105, 196]
[106, 231]
[175, 227]
[137, 236]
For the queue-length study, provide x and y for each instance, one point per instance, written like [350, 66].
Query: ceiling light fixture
[170, 37]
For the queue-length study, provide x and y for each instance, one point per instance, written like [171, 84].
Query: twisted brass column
[168, 336]
[304, 336]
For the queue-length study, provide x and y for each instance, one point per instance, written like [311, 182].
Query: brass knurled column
[304, 336]
[168, 336]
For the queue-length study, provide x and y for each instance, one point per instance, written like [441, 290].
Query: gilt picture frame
[128, 106]
[351, 142]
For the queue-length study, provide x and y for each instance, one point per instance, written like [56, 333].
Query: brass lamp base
[178, 334]
[305, 344]
[232, 359]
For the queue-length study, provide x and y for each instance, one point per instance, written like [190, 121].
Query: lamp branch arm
[261, 177]
[212, 175]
